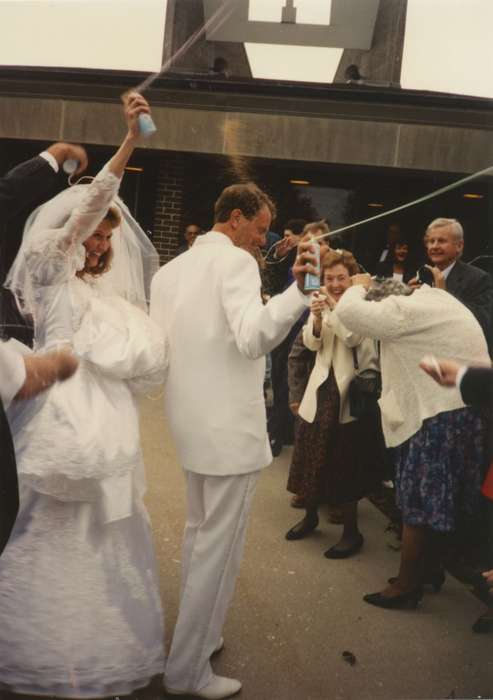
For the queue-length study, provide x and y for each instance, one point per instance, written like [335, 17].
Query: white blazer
[333, 349]
[409, 327]
[207, 301]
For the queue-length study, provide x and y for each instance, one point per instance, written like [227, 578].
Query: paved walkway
[295, 612]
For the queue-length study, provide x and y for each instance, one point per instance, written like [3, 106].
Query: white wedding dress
[80, 611]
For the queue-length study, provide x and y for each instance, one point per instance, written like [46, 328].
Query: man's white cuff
[459, 376]
[50, 158]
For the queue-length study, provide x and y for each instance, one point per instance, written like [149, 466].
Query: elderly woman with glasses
[439, 441]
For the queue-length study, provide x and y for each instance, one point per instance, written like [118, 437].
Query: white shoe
[219, 687]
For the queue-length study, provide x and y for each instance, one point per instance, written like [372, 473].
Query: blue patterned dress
[439, 470]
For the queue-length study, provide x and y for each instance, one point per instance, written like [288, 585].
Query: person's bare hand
[413, 283]
[69, 151]
[438, 278]
[444, 372]
[43, 370]
[134, 105]
[319, 304]
[66, 364]
[283, 247]
[362, 278]
[306, 262]
[294, 407]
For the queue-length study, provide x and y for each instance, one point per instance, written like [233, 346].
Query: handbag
[365, 389]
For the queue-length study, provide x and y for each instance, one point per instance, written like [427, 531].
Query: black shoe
[407, 601]
[334, 553]
[483, 625]
[276, 447]
[436, 579]
[302, 529]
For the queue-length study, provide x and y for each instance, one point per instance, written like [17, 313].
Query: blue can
[312, 282]
[146, 125]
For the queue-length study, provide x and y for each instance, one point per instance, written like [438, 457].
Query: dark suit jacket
[474, 288]
[476, 387]
[21, 190]
[300, 365]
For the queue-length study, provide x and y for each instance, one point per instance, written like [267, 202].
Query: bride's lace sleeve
[53, 254]
[90, 211]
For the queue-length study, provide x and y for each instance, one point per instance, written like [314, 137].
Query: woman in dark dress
[336, 460]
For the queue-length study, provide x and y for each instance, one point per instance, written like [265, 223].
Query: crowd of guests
[433, 444]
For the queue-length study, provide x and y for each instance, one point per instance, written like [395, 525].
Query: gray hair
[383, 288]
[442, 222]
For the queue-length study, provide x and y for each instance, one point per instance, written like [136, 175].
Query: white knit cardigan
[409, 327]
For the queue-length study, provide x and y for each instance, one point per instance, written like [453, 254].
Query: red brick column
[168, 212]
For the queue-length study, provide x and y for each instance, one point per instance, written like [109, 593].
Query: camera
[425, 276]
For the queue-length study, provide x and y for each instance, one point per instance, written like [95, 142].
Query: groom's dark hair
[247, 197]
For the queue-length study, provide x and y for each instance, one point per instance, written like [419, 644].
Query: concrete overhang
[194, 115]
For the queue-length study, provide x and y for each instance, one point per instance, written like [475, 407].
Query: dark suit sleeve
[24, 187]
[9, 493]
[476, 386]
[300, 364]
[478, 297]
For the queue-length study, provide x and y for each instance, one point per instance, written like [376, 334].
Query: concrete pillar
[168, 212]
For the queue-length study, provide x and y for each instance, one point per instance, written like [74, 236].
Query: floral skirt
[439, 470]
[334, 462]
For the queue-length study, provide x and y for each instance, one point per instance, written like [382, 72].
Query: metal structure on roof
[351, 26]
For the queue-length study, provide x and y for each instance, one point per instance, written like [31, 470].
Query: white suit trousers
[213, 542]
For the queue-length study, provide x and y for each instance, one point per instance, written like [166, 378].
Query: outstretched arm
[381, 320]
[24, 376]
[30, 183]
[89, 213]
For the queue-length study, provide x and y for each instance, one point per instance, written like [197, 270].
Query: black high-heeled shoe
[435, 579]
[302, 529]
[406, 601]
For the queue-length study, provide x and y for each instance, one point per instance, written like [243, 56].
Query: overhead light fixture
[299, 182]
[473, 195]
[130, 169]
[376, 205]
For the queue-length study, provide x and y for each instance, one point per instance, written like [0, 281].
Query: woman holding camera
[336, 459]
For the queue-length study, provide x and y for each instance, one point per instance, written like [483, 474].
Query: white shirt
[12, 373]
[447, 270]
[50, 159]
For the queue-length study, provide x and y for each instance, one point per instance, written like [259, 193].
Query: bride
[80, 613]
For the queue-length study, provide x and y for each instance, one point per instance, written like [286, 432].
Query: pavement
[295, 613]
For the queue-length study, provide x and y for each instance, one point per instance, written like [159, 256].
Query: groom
[208, 303]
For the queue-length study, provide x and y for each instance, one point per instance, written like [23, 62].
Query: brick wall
[168, 212]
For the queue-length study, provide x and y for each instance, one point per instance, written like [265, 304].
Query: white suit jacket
[207, 301]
